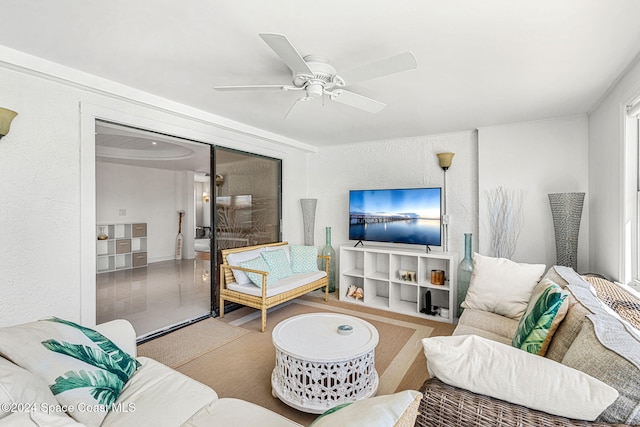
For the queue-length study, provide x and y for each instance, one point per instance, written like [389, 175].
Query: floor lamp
[444, 159]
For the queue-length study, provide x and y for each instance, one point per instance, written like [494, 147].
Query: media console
[399, 280]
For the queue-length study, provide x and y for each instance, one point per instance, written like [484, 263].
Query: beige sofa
[156, 395]
[591, 339]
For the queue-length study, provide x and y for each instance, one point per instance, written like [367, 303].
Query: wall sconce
[6, 117]
[205, 197]
[444, 160]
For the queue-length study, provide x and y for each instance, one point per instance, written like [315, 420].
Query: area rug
[242, 368]
[181, 346]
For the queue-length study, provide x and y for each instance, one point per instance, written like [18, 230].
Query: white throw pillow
[236, 259]
[498, 370]
[501, 286]
[398, 409]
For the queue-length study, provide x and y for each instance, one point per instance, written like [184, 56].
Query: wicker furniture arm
[445, 405]
[263, 302]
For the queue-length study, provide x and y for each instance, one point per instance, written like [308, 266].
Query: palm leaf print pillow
[546, 309]
[85, 370]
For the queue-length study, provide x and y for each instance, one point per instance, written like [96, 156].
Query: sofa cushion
[501, 286]
[304, 259]
[504, 372]
[229, 412]
[546, 309]
[81, 366]
[259, 264]
[283, 285]
[278, 262]
[234, 260]
[20, 387]
[393, 410]
[607, 350]
[160, 396]
[486, 324]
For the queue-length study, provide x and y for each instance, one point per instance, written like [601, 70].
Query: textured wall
[44, 271]
[402, 163]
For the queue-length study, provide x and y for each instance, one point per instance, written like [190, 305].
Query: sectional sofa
[478, 378]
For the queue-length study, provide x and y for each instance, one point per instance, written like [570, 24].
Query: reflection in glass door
[247, 201]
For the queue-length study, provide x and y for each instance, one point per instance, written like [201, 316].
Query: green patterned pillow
[261, 265]
[304, 259]
[278, 263]
[546, 309]
[82, 367]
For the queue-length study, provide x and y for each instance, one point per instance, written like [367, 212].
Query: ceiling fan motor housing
[324, 76]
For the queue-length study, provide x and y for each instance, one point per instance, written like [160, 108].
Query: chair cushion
[261, 265]
[606, 349]
[278, 263]
[158, 396]
[234, 260]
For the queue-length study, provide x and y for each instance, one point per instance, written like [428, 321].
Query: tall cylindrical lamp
[444, 160]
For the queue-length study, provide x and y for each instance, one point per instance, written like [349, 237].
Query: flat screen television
[403, 215]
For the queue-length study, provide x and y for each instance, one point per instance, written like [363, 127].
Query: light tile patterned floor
[154, 297]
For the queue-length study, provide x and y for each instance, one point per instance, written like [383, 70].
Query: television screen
[409, 215]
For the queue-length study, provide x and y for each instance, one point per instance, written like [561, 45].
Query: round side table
[319, 366]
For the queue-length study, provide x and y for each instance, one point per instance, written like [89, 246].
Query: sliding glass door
[247, 189]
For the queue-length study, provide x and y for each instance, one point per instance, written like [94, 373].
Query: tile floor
[157, 296]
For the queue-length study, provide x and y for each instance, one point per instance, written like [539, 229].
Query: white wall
[538, 158]
[411, 162]
[609, 166]
[148, 195]
[47, 170]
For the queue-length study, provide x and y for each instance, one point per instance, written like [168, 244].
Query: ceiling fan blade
[287, 53]
[256, 87]
[358, 101]
[395, 64]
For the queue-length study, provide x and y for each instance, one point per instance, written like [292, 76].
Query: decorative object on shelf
[6, 117]
[437, 277]
[355, 292]
[505, 220]
[444, 312]
[566, 210]
[409, 276]
[464, 271]
[308, 219]
[444, 160]
[428, 308]
[328, 250]
[102, 234]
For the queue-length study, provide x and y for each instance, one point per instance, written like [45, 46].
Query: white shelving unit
[125, 247]
[376, 269]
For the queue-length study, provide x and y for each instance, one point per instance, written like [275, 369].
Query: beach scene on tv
[396, 216]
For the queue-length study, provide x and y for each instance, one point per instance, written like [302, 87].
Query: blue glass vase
[464, 271]
[328, 250]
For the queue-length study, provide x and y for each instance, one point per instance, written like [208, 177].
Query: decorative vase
[328, 250]
[102, 234]
[566, 210]
[308, 219]
[464, 271]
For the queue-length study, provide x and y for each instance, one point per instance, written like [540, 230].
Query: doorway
[146, 181]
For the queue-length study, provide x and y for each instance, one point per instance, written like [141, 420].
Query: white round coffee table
[318, 367]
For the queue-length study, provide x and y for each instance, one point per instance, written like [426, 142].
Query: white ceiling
[480, 63]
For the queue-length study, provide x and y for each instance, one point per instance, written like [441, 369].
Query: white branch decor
[505, 220]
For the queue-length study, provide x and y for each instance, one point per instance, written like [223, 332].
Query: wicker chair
[263, 302]
[445, 405]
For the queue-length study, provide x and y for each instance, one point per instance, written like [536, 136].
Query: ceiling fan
[316, 77]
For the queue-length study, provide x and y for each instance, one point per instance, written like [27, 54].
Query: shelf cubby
[377, 269]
